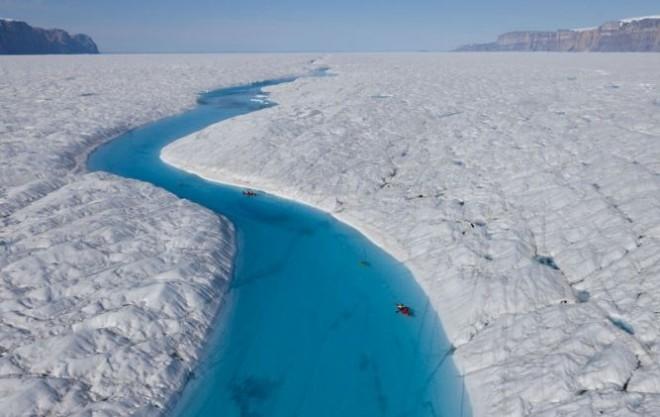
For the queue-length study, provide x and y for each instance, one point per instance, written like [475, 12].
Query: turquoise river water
[309, 328]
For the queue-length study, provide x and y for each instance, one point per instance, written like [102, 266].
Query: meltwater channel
[309, 328]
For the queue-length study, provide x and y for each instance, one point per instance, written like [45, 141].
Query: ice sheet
[523, 191]
[108, 286]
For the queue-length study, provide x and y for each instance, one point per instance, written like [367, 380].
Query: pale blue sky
[310, 25]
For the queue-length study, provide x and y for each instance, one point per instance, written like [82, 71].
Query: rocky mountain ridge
[628, 35]
[19, 38]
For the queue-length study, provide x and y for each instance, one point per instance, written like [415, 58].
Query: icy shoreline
[388, 245]
[109, 286]
[498, 190]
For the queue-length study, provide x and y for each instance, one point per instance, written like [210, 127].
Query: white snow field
[107, 286]
[522, 190]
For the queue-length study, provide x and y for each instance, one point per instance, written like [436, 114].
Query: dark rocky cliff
[630, 35]
[20, 38]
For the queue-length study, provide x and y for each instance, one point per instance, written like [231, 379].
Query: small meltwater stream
[309, 327]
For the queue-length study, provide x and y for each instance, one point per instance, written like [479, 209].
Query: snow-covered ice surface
[522, 190]
[587, 29]
[638, 19]
[107, 286]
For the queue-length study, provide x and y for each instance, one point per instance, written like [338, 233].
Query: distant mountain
[18, 37]
[641, 34]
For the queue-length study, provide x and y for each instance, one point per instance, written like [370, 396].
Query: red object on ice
[405, 310]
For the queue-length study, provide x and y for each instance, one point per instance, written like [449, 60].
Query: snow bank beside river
[107, 286]
[523, 191]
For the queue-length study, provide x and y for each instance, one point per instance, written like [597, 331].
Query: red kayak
[405, 310]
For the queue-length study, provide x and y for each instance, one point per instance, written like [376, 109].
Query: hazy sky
[310, 25]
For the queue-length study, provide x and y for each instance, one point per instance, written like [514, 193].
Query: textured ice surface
[107, 286]
[522, 190]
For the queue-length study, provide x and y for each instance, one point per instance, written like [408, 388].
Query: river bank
[312, 328]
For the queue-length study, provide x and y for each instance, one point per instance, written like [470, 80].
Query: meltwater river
[309, 328]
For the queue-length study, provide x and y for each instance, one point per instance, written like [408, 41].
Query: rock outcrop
[628, 35]
[17, 38]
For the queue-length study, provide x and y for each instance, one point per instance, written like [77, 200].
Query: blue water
[309, 328]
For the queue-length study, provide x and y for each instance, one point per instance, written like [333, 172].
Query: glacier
[108, 286]
[522, 191]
